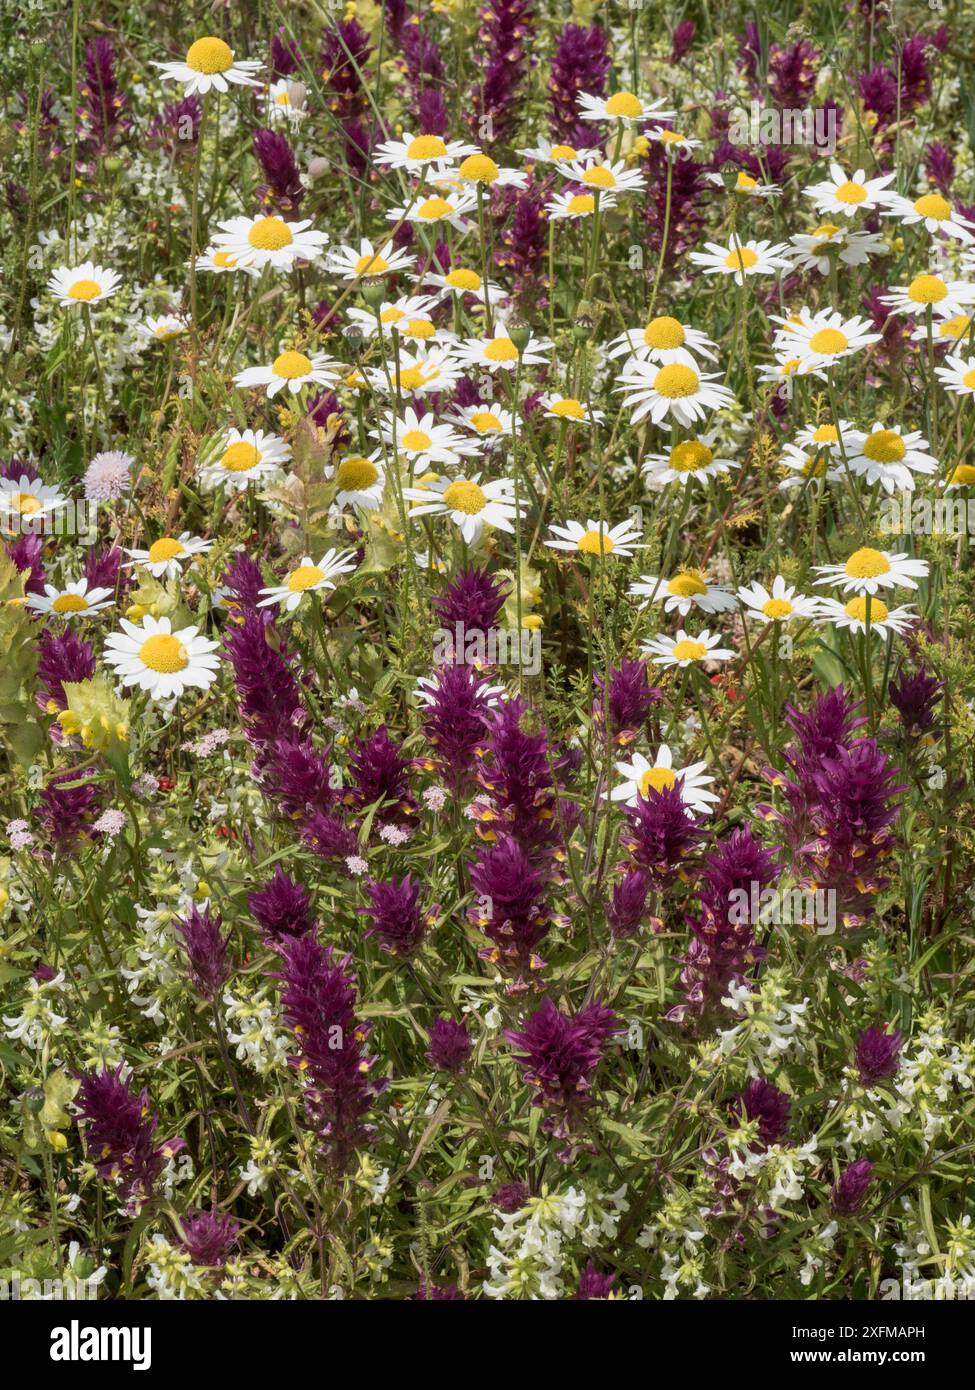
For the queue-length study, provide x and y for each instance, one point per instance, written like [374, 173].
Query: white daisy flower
[853, 615]
[161, 662]
[423, 442]
[210, 63]
[675, 144]
[470, 504]
[218, 262]
[597, 538]
[567, 408]
[75, 600]
[419, 373]
[824, 437]
[692, 460]
[676, 389]
[683, 650]
[961, 476]
[600, 176]
[642, 777]
[852, 248]
[417, 153]
[842, 196]
[889, 456]
[784, 368]
[307, 578]
[244, 456]
[432, 209]
[950, 328]
[687, 589]
[460, 281]
[85, 284]
[745, 184]
[742, 258]
[164, 328]
[488, 421]
[481, 168]
[409, 315]
[805, 464]
[957, 375]
[166, 556]
[28, 497]
[286, 102]
[780, 604]
[945, 297]
[269, 240]
[868, 570]
[821, 339]
[290, 370]
[664, 340]
[621, 106]
[935, 213]
[498, 353]
[360, 481]
[544, 152]
[352, 263]
[571, 206]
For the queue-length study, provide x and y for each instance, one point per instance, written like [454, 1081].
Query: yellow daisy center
[828, 342]
[568, 409]
[689, 650]
[69, 603]
[884, 446]
[927, 289]
[432, 208]
[464, 280]
[209, 55]
[85, 290]
[787, 368]
[563, 152]
[746, 181]
[164, 654]
[224, 259]
[391, 315]
[356, 473]
[164, 549]
[486, 422]
[304, 577]
[416, 441]
[282, 99]
[687, 584]
[25, 503]
[964, 475]
[826, 434]
[659, 778]
[826, 231]
[954, 328]
[664, 332]
[595, 543]
[582, 203]
[934, 206]
[814, 466]
[624, 104]
[465, 497]
[240, 457]
[270, 234]
[479, 168]
[419, 328]
[291, 365]
[599, 177]
[671, 137]
[426, 147]
[741, 258]
[689, 456]
[500, 350]
[676, 380]
[777, 608]
[969, 379]
[867, 564]
[857, 608]
[371, 265]
[851, 193]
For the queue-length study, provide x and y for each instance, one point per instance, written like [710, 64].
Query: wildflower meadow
[487, 615]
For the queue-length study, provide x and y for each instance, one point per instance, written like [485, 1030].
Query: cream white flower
[821, 339]
[290, 370]
[569, 410]
[75, 600]
[354, 264]
[244, 456]
[286, 102]
[460, 281]
[664, 340]
[945, 328]
[957, 375]
[742, 258]
[934, 212]
[544, 152]
[621, 106]
[808, 464]
[642, 777]
[360, 480]
[210, 63]
[164, 328]
[307, 578]
[269, 240]
[569, 206]
[422, 441]
[844, 196]
[677, 389]
[809, 249]
[85, 284]
[596, 538]
[684, 650]
[420, 373]
[162, 662]
[676, 144]
[432, 209]
[868, 570]
[692, 460]
[28, 497]
[470, 504]
[824, 437]
[780, 604]
[944, 297]
[687, 589]
[167, 555]
[498, 352]
[419, 153]
[480, 168]
[889, 456]
[488, 421]
[409, 315]
[218, 262]
[744, 183]
[602, 177]
[853, 615]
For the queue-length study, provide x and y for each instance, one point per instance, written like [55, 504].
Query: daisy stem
[485, 266]
[195, 213]
[665, 237]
